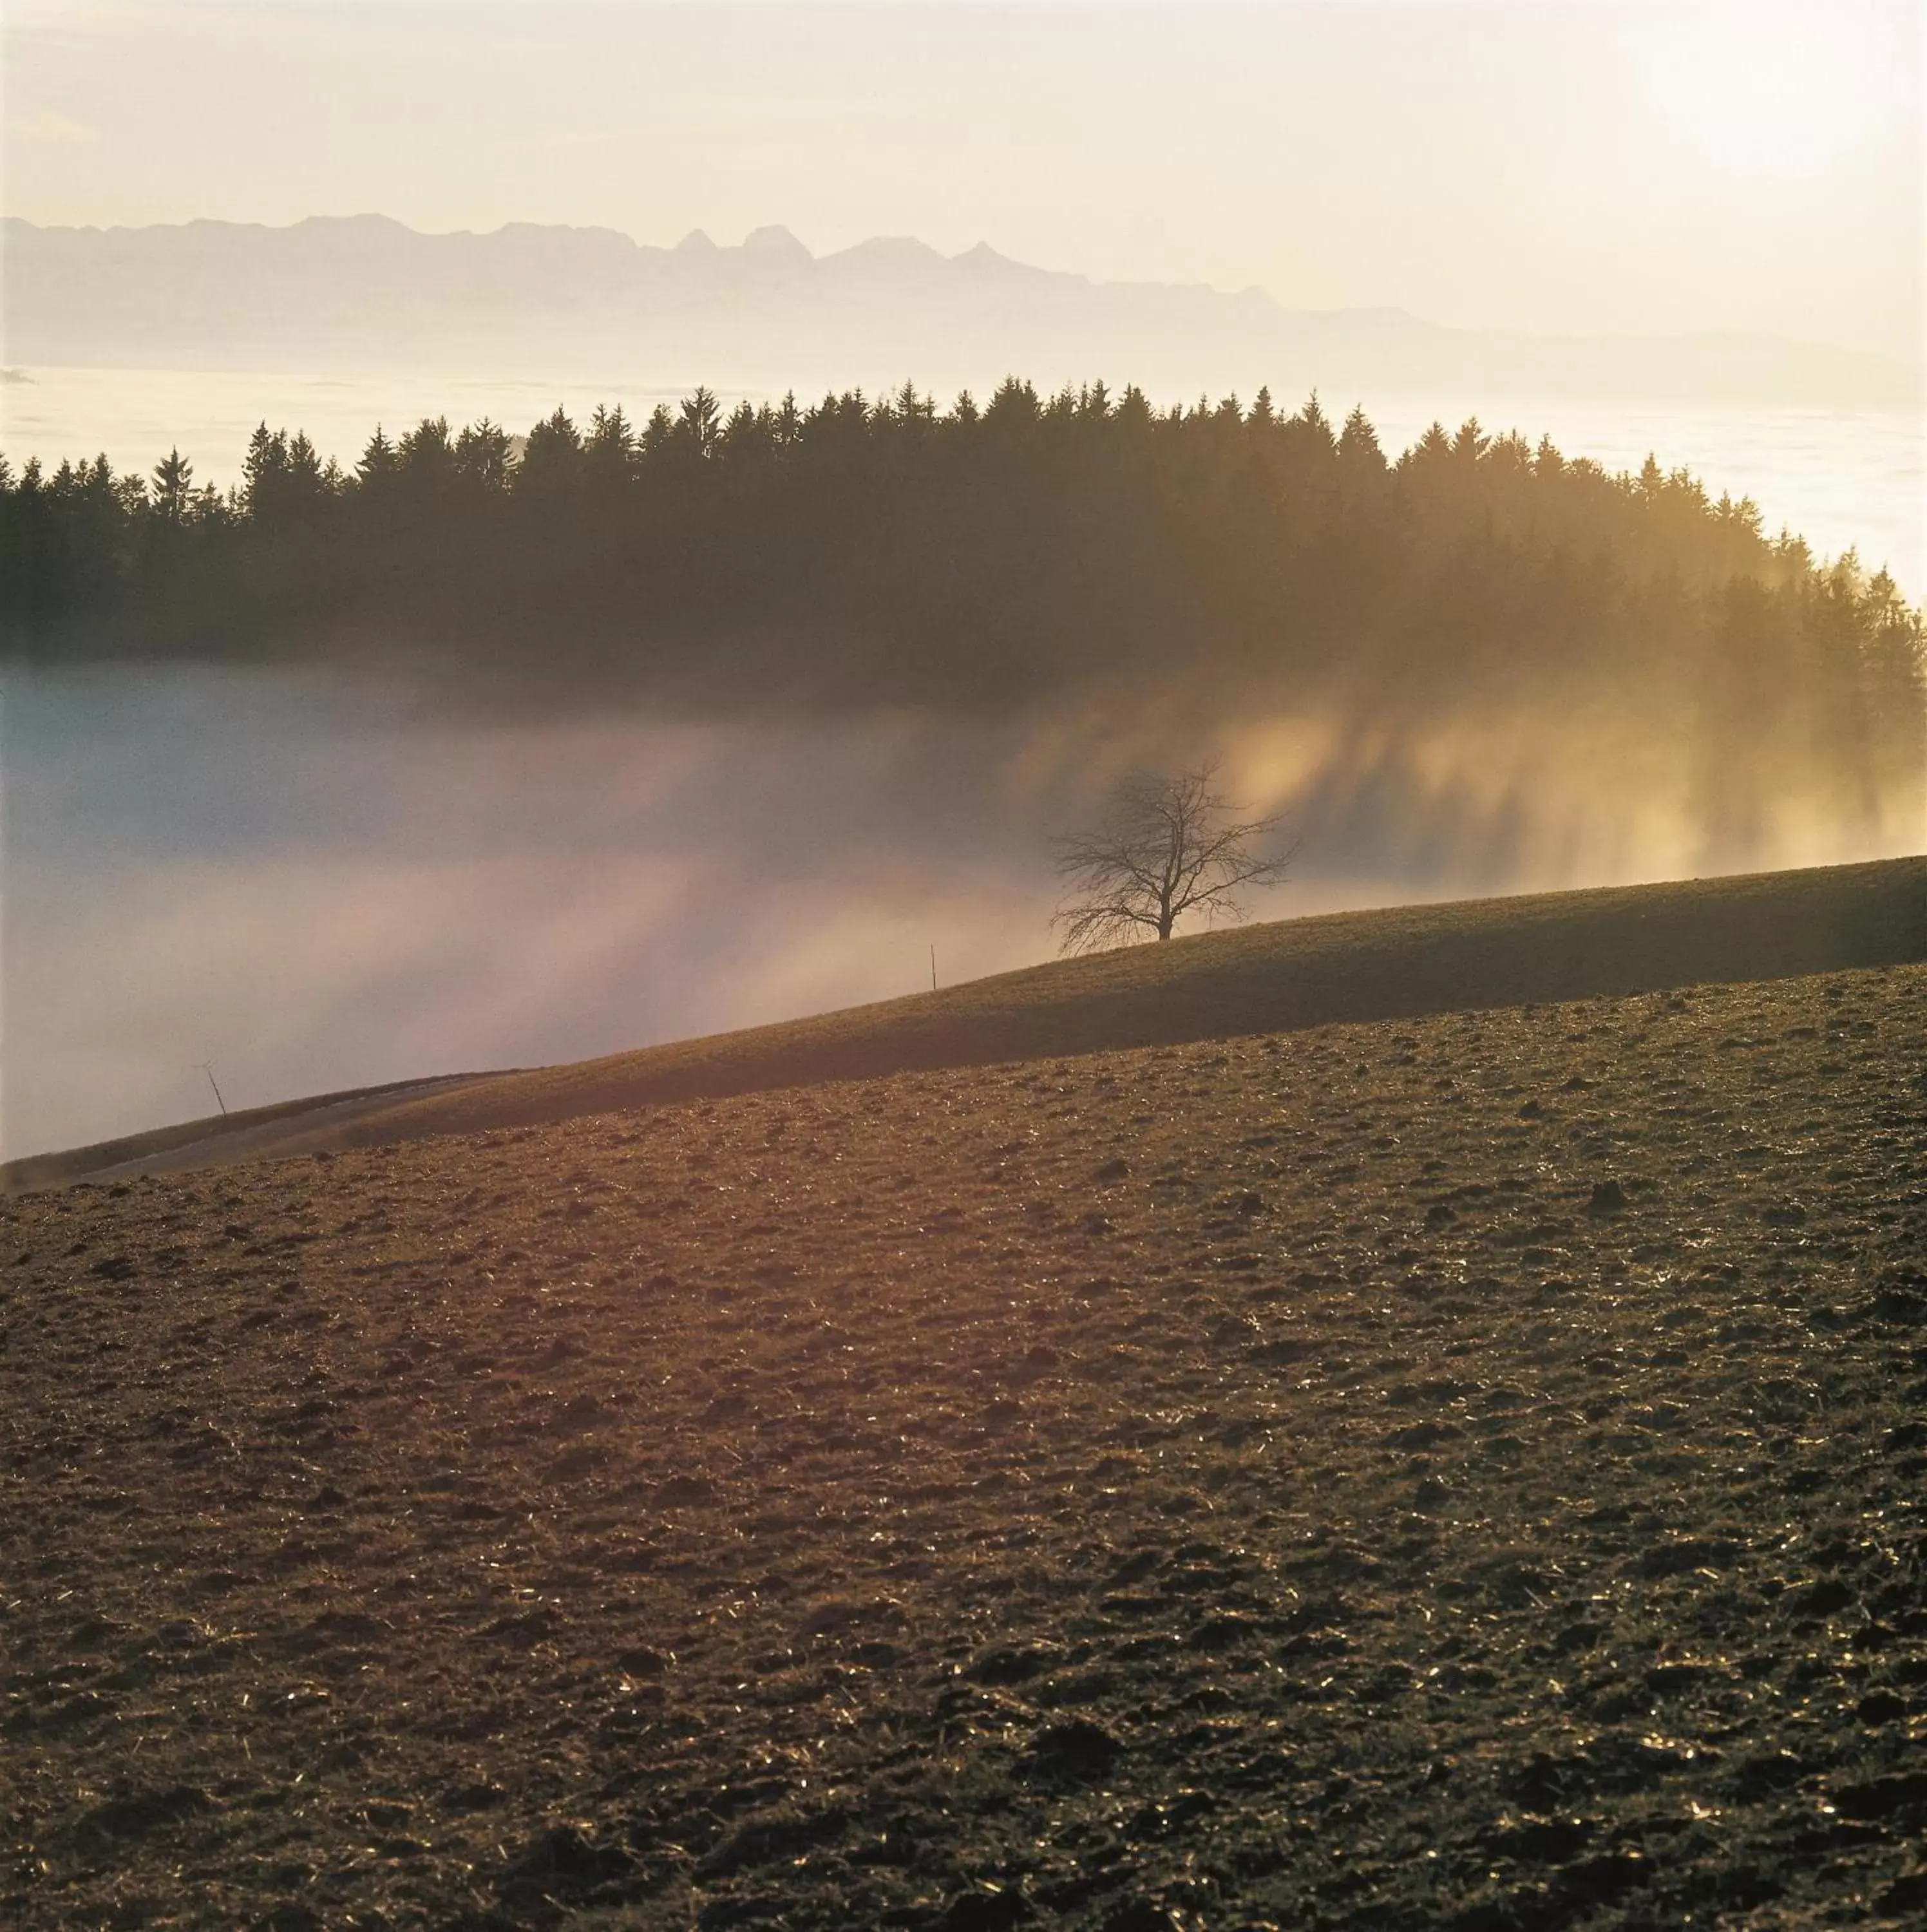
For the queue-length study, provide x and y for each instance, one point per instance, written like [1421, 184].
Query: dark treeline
[864, 552]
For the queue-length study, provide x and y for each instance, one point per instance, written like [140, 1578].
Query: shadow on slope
[213, 1140]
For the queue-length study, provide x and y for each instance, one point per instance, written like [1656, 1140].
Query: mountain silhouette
[364, 292]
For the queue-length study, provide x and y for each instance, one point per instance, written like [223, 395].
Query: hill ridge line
[1275, 976]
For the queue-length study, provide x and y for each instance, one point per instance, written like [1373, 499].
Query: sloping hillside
[214, 1139]
[1282, 975]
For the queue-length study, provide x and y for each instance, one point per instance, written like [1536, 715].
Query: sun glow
[1765, 93]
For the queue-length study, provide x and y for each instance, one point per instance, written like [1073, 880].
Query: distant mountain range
[363, 293]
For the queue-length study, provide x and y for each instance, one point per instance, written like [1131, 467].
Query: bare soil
[1465, 1471]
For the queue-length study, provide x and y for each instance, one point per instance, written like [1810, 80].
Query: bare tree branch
[1169, 846]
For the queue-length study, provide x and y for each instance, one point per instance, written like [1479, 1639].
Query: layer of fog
[315, 887]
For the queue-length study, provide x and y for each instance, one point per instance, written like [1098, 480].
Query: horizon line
[696, 242]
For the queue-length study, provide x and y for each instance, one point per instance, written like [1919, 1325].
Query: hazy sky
[1561, 166]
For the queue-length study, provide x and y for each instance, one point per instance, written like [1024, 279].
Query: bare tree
[1168, 846]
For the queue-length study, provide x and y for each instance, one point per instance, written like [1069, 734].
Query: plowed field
[1468, 1471]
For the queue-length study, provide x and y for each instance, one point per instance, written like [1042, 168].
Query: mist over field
[316, 882]
[485, 753]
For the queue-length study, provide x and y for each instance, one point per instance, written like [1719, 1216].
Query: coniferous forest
[1034, 549]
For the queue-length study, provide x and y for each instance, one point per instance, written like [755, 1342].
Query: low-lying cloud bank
[315, 884]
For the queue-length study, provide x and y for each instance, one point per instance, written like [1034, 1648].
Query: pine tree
[173, 482]
[380, 461]
[697, 420]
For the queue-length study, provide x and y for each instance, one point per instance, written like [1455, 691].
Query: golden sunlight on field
[1460, 1471]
